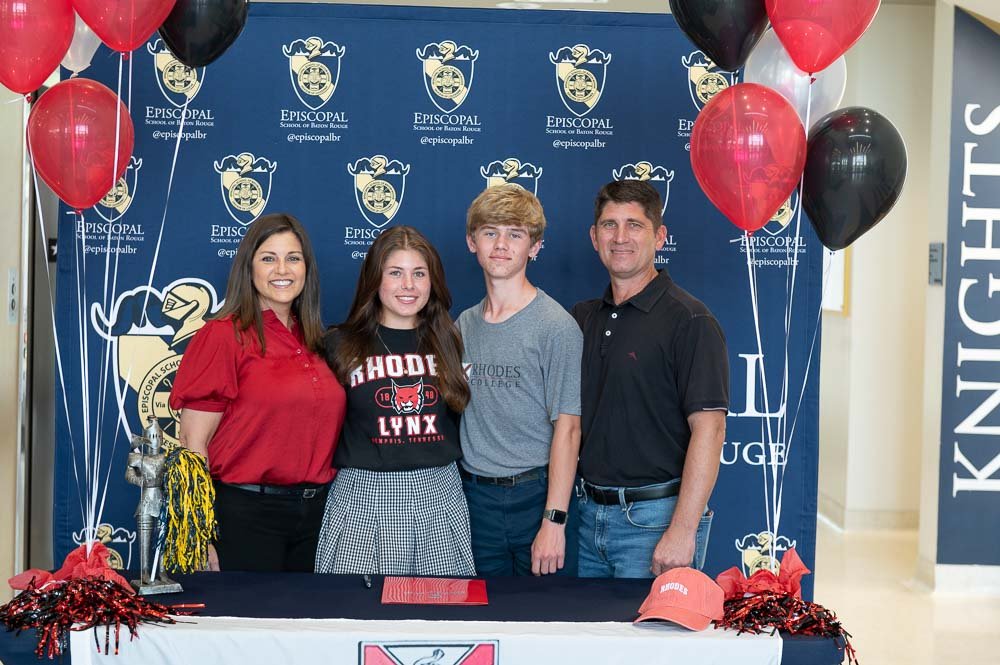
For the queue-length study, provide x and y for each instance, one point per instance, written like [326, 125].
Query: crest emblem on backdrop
[178, 82]
[784, 216]
[116, 202]
[657, 176]
[448, 70]
[118, 541]
[149, 331]
[512, 170]
[314, 68]
[705, 79]
[580, 76]
[246, 185]
[760, 553]
[379, 184]
[429, 653]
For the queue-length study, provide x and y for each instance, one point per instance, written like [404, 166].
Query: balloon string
[81, 294]
[752, 279]
[166, 203]
[791, 269]
[55, 336]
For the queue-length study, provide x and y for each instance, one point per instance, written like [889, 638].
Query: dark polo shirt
[648, 363]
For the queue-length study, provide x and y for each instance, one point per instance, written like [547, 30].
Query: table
[270, 618]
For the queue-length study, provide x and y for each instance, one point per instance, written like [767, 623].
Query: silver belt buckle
[309, 493]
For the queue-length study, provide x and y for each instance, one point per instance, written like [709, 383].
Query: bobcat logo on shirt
[408, 399]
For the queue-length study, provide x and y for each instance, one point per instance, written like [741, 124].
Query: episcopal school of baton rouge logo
[379, 184]
[760, 553]
[116, 202]
[657, 176]
[485, 652]
[448, 70]
[147, 344]
[314, 68]
[118, 541]
[705, 80]
[178, 82]
[246, 185]
[512, 171]
[580, 76]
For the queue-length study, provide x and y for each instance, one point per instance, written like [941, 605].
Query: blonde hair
[506, 205]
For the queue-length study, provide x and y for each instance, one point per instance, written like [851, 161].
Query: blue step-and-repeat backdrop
[357, 118]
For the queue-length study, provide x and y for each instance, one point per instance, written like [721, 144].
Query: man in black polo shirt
[655, 392]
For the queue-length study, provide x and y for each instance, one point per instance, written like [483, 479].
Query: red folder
[433, 591]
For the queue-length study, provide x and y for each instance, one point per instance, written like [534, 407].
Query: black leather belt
[610, 497]
[506, 481]
[280, 490]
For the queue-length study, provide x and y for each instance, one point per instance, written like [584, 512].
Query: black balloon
[199, 31]
[725, 30]
[855, 168]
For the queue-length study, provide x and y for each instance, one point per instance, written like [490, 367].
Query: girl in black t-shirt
[396, 506]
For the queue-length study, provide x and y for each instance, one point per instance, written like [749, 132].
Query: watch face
[557, 516]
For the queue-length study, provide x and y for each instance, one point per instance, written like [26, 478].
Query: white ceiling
[644, 6]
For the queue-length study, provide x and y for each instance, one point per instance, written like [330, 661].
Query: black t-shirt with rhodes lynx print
[397, 419]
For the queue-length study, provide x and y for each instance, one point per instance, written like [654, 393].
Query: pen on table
[367, 579]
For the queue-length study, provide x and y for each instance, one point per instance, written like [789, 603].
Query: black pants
[263, 532]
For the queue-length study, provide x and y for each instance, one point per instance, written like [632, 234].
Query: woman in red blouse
[258, 400]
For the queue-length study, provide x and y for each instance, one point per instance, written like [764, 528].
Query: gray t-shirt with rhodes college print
[523, 373]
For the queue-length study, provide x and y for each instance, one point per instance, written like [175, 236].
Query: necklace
[386, 346]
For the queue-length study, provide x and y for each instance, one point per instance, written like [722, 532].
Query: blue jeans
[504, 522]
[618, 540]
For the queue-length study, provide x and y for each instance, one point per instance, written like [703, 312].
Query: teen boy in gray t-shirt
[521, 430]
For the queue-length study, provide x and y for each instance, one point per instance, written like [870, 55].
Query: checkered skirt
[396, 523]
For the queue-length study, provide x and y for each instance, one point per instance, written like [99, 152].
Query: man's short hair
[631, 191]
[506, 205]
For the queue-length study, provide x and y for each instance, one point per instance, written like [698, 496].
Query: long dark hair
[436, 334]
[242, 302]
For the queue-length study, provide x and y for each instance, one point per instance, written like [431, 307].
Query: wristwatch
[553, 515]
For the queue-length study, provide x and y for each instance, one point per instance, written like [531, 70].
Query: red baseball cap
[685, 596]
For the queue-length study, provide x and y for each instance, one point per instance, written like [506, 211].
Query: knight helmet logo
[580, 76]
[379, 184]
[246, 185]
[762, 551]
[705, 80]
[118, 540]
[783, 217]
[149, 331]
[178, 82]
[448, 70]
[512, 171]
[314, 68]
[657, 176]
[116, 202]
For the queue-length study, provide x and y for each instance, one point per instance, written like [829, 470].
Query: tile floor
[867, 578]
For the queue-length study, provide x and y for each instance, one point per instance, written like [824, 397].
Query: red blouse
[281, 412]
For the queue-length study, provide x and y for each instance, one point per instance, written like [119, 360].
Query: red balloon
[817, 32]
[34, 37]
[123, 25]
[748, 150]
[71, 136]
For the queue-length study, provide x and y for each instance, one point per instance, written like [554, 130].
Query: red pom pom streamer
[782, 611]
[80, 604]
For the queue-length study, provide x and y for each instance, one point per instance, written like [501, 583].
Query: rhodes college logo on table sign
[118, 541]
[178, 82]
[379, 184]
[246, 185]
[513, 171]
[314, 68]
[760, 553]
[429, 653]
[448, 70]
[580, 76]
[705, 80]
[116, 202]
[149, 331]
